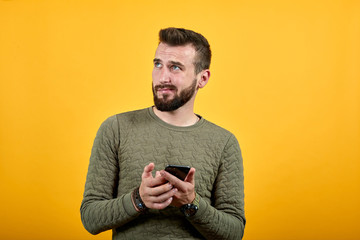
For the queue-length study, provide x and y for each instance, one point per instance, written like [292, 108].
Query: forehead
[184, 54]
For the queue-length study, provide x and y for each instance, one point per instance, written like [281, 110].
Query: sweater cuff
[203, 205]
[129, 206]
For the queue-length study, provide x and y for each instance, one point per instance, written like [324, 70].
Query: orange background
[285, 80]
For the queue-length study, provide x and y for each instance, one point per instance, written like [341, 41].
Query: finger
[160, 200]
[154, 182]
[173, 180]
[191, 176]
[158, 190]
[147, 170]
[161, 205]
[157, 174]
[163, 197]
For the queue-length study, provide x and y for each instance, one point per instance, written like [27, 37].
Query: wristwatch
[140, 205]
[190, 209]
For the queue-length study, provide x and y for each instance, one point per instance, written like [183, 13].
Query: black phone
[178, 171]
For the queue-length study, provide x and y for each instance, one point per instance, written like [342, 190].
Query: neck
[181, 117]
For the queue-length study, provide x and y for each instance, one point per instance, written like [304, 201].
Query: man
[121, 192]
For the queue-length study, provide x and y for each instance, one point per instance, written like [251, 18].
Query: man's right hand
[156, 192]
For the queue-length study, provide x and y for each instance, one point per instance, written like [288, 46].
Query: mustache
[169, 86]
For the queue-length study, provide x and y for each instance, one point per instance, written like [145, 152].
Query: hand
[156, 192]
[184, 190]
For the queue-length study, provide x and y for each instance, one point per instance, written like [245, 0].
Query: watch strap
[140, 205]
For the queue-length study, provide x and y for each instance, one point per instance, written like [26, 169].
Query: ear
[204, 78]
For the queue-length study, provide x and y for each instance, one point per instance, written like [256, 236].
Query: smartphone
[178, 171]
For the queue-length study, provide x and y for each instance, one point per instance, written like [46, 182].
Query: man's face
[174, 79]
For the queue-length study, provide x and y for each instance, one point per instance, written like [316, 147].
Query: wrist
[190, 209]
[196, 200]
[137, 201]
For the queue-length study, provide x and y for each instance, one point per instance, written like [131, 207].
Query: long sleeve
[101, 208]
[224, 218]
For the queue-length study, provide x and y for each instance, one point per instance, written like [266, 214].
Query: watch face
[190, 210]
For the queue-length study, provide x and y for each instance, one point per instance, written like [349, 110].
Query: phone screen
[178, 171]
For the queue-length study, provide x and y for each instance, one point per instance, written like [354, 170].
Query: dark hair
[180, 37]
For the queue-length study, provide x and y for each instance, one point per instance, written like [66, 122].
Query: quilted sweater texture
[127, 142]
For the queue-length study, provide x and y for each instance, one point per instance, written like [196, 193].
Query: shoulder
[113, 125]
[131, 116]
[220, 134]
[125, 117]
[123, 121]
[216, 129]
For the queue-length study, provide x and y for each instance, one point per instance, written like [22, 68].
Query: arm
[101, 209]
[224, 218]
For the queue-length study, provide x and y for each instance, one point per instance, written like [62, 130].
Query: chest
[141, 147]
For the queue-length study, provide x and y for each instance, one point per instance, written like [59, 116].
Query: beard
[166, 105]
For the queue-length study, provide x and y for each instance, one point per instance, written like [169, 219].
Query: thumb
[147, 170]
[191, 176]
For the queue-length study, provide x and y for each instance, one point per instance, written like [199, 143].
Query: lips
[165, 88]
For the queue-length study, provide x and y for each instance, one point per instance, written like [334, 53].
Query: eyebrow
[172, 62]
[177, 63]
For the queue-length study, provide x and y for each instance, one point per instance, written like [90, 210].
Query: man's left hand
[185, 189]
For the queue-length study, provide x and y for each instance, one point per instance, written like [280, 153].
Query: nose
[164, 76]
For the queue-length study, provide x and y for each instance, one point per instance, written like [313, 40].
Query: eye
[157, 65]
[174, 67]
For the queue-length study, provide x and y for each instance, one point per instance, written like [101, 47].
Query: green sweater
[127, 142]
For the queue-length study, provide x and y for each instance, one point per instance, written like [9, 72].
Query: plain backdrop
[285, 79]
